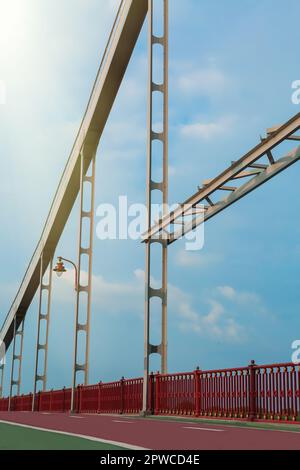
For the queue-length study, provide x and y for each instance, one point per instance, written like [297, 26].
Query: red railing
[175, 394]
[224, 393]
[58, 401]
[89, 399]
[21, 403]
[132, 396]
[270, 392]
[4, 404]
[110, 397]
[277, 392]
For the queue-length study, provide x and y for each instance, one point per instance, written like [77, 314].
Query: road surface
[157, 434]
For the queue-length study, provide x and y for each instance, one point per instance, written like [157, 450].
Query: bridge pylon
[160, 136]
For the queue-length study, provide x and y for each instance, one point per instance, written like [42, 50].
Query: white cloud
[207, 81]
[186, 259]
[214, 315]
[208, 130]
[187, 313]
[246, 300]
[108, 297]
[116, 298]
[240, 297]
[227, 291]
[216, 323]
[220, 320]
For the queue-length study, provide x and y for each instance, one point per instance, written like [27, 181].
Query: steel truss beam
[16, 356]
[239, 193]
[43, 316]
[117, 54]
[207, 199]
[84, 286]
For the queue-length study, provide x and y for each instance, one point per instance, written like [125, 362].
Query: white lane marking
[204, 429]
[123, 422]
[81, 436]
[76, 417]
[236, 425]
[273, 430]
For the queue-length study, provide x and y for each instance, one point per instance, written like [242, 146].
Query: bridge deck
[164, 434]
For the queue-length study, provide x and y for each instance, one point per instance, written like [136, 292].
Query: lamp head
[60, 267]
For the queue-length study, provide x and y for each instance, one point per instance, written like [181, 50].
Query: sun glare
[13, 25]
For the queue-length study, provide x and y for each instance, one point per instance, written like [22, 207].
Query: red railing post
[197, 392]
[39, 402]
[252, 391]
[79, 408]
[152, 394]
[77, 398]
[64, 400]
[50, 401]
[99, 397]
[122, 395]
[157, 393]
[285, 391]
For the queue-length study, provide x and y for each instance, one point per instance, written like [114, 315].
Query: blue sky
[231, 68]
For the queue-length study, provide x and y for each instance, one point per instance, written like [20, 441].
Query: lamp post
[60, 269]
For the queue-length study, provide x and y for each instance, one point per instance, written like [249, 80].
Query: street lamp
[60, 268]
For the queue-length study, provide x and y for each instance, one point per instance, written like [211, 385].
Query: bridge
[252, 392]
